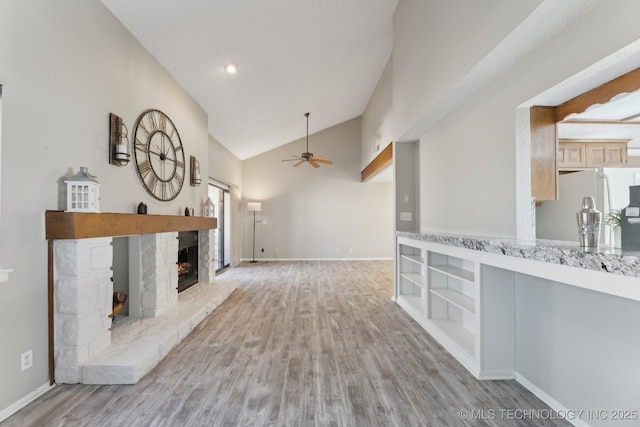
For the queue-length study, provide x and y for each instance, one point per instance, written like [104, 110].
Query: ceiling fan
[307, 156]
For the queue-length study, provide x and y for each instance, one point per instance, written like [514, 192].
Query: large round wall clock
[159, 155]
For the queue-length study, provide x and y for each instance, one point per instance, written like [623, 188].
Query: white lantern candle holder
[208, 208]
[83, 192]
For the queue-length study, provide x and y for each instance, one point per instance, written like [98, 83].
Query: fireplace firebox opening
[187, 259]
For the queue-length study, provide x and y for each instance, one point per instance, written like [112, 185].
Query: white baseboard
[498, 374]
[571, 415]
[15, 407]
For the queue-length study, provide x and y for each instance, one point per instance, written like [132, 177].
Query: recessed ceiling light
[231, 68]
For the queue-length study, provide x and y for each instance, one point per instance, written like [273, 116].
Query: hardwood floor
[298, 344]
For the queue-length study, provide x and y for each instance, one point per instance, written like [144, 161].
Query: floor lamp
[254, 207]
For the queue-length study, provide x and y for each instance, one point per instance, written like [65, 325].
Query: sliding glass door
[221, 197]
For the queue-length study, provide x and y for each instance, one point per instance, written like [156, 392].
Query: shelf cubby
[411, 281]
[453, 271]
[456, 298]
[461, 336]
[452, 294]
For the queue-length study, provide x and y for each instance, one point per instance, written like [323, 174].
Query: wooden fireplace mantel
[81, 225]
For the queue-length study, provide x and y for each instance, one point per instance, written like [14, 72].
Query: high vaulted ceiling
[294, 56]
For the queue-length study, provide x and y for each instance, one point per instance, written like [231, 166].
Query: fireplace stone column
[83, 300]
[158, 272]
[206, 256]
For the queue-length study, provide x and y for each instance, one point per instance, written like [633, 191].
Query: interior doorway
[536, 145]
[221, 197]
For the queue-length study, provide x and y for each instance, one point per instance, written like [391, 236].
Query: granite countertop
[552, 251]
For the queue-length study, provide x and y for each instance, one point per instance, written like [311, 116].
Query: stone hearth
[137, 345]
[87, 347]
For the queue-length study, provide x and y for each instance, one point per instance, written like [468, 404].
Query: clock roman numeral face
[159, 155]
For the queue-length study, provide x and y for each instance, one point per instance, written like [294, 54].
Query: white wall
[436, 43]
[223, 165]
[65, 66]
[464, 116]
[407, 185]
[579, 346]
[377, 127]
[311, 213]
[421, 73]
[227, 168]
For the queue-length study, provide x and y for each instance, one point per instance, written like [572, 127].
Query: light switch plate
[406, 216]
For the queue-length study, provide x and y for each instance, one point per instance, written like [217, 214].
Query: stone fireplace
[81, 291]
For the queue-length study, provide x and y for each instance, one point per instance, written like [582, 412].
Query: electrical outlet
[337, 250]
[350, 250]
[262, 250]
[26, 360]
[275, 250]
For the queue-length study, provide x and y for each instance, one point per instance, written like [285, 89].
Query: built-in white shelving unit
[465, 305]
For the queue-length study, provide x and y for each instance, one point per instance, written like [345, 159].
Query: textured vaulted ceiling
[294, 56]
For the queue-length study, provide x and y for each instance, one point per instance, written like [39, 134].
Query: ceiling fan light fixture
[307, 156]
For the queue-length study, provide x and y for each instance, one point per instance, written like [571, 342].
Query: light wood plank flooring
[315, 343]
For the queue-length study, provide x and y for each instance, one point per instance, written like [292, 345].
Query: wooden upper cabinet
[571, 155]
[611, 154]
[581, 154]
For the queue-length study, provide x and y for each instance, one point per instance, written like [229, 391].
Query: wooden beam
[602, 94]
[598, 122]
[382, 160]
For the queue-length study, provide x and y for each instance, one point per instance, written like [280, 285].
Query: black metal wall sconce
[118, 141]
[195, 172]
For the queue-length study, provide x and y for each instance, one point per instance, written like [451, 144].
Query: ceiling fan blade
[313, 163]
[321, 160]
[298, 164]
[292, 160]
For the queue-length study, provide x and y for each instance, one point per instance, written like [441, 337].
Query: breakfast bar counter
[611, 271]
[602, 259]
